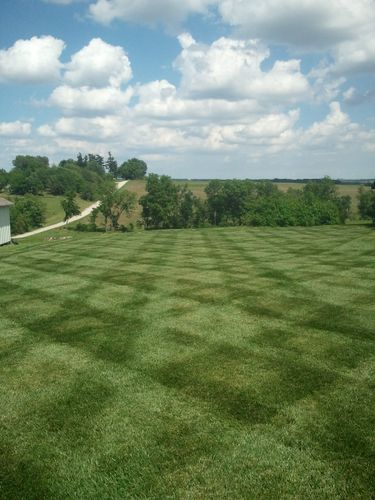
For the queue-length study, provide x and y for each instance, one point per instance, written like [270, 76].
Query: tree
[62, 180]
[70, 207]
[324, 189]
[168, 205]
[133, 169]
[111, 165]
[27, 213]
[4, 179]
[29, 175]
[366, 203]
[115, 203]
[160, 204]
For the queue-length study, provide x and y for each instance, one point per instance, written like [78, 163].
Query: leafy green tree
[133, 169]
[62, 180]
[29, 175]
[27, 213]
[160, 206]
[168, 205]
[111, 165]
[114, 203]
[70, 206]
[4, 179]
[366, 203]
[324, 189]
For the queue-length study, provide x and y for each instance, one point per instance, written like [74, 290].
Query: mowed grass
[213, 363]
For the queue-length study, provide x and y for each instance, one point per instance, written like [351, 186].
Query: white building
[4, 221]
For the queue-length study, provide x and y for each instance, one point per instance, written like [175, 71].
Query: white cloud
[326, 86]
[231, 69]
[304, 23]
[84, 100]
[356, 56]
[166, 12]
[160, 100]
[15, 129]
[46, 131]
[353, 97]
[345, 28]
[32, 61]
[333, 131]
[98, 64]
[103, 128]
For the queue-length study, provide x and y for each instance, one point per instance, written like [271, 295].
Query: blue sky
[198, 89]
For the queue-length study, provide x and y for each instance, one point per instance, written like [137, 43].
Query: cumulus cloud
[231, 69]
[82, 100]
[36, 60]
[305, 23]
[355, 56]
[15, 129]
[166, 12]
[160, 100]
[333, 131]
[98, 64]
[342, 27]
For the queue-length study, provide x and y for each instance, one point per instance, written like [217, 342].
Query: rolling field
[212, 363]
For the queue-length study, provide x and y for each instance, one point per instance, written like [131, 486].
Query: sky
[196, 88]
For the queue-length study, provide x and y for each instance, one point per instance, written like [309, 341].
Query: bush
[26, 214]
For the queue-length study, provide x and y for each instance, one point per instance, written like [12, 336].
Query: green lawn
[213, 363]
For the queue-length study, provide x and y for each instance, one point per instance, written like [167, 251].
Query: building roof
[5, 203]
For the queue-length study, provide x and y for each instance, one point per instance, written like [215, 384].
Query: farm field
[211, 363]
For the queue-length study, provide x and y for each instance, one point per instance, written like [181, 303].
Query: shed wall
[4, 225]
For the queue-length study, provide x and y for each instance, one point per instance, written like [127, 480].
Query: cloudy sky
[196, 88]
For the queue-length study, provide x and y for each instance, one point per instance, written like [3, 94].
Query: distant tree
[4, 179]
[29, 175]
[366, 203]
[114, 203]
[169, 205]
[160, 204]
[62, 180]
[133, 169]
[80, 160]
[324, 189]
[70, 206]
[111, 165]
[27, 213]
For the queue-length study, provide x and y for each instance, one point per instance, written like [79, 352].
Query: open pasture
[213, 363]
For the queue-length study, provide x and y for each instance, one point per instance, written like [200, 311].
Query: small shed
[5, 236]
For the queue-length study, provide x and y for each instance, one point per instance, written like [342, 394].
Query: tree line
[242, 203]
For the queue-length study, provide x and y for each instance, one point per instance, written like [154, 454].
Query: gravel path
[87, 211]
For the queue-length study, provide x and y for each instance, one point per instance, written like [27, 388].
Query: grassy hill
[54, 210]
[213, 363]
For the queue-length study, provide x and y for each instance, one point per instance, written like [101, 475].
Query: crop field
[211, 363]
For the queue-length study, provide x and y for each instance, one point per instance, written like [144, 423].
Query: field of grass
[212, 363]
